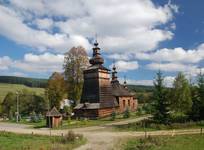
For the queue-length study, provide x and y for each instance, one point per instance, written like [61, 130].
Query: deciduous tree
[181, 99]
[56, 89]
[75, 61]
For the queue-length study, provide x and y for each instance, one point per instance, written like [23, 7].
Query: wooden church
[102, 96]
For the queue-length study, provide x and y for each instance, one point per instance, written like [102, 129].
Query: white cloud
[44, 58]
[46, 63]
[137, 82]
[19, 74]
[130, 25]
[122, 25]
[46, 23]
[168, 81]
[14, 28]
[65, 8]
[123, 66]
[171, 67]
[42, 63]
[5, 62]
[178, 55]
[120, 56]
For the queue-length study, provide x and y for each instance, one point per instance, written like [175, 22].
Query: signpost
[17, 107]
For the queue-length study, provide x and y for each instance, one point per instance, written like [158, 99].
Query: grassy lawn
[5, 88]
[141, 126]
[69, 124]
[86, 123]
[11, 141]
[39, 124]
[181, 142]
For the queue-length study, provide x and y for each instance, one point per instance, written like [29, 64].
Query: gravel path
[99, 137]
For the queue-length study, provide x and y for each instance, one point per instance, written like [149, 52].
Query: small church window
[123, 103]
[128, 102]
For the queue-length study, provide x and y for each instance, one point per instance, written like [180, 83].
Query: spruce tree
[160, 101]
[195, 112]
[201, 94]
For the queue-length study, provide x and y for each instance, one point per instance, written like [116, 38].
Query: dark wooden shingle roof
[53, 113]
[120, 90]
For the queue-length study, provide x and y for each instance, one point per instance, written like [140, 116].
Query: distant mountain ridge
[30, 82]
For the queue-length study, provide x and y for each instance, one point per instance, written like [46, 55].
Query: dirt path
[99, 137]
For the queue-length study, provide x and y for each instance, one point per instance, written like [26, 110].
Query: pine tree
[160, 101]
[201, 94]
[195, 112]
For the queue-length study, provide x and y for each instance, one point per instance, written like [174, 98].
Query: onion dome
[96, 59]
[114, 74]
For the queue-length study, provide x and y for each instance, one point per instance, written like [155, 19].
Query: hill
[141, 88]
[31, 82]
[5, 88]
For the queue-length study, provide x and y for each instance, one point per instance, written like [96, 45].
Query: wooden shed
[53, 118]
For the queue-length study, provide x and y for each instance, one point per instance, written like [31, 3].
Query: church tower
[97, 99]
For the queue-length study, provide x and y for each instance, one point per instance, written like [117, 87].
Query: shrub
[126, 113]
[40, 117]
[34, 117]
[144, 144]
[179, 118]
[70, 137]
[113, 115]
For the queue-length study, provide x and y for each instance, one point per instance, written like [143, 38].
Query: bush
[70, 137]
[144, 144]
[40, 117]
[126, 113]
[113, 115]
[179, 118]
[147, 108]
[34, 117]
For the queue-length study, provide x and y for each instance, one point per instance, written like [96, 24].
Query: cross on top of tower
[96, 59]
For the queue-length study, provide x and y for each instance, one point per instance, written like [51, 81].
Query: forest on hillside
[30, 82]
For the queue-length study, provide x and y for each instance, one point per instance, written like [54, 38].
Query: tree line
[183, 102]
[31, 82]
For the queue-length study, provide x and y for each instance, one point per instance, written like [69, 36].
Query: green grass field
[69, 124]
[5, 88]
[181, 142]
[140, 126]
[11, 141]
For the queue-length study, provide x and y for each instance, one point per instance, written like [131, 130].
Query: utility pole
[49, 117]
[17, 107]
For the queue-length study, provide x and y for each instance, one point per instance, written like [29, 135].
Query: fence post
[201, 131]
[145, 134]
[173, 133]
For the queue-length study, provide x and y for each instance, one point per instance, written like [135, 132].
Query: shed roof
[53, 113]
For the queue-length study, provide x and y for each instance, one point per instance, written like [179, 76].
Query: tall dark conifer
[201, 94]
[160, 101]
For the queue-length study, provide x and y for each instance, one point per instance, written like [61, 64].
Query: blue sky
[141, 36]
